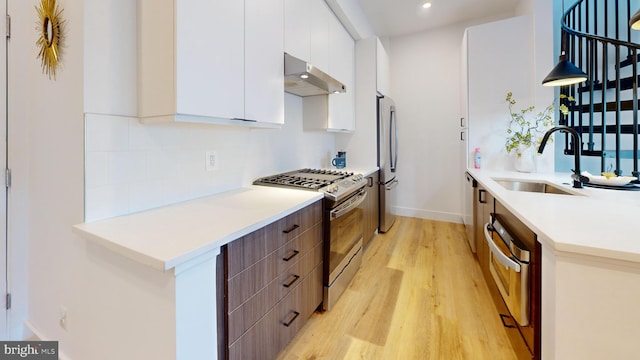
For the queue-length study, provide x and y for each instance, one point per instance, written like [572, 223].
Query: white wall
[132, 167]
[425, 81]
[50, 266]
[46, 153]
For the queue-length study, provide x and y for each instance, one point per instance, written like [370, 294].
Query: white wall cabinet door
[297, 28]
[264, 61]
[383, 78]
[210, 58]
[341, 67]
[211, 61]
[318, 16]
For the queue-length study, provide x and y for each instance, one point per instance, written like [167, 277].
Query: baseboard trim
[428, 215]
[38, 336]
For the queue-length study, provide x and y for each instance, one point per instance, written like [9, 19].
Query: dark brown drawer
[248, 250]
[248, 282]
[273, 332]
[250, 311]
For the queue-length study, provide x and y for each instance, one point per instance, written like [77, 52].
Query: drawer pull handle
[295, 316]
[286, 231]
[502, 317]
[291, 256]
[292, 280]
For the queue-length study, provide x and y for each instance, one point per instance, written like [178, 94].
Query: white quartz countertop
[166, 237]
[597, 222]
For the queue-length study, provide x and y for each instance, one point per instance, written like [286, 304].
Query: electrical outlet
[211, 160]
[63, 317]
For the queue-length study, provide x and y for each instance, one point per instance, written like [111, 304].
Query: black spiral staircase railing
[604, 109]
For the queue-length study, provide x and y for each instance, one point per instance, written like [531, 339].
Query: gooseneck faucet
[577, 145]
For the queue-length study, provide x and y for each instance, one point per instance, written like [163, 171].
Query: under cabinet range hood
[304, 79]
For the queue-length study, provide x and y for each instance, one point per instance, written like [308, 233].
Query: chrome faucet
[577, 146]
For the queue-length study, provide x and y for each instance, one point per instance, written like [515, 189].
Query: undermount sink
[532, 186]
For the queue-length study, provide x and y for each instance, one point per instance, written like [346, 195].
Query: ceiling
[401, 17]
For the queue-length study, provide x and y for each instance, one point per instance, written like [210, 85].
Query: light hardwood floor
[418, 295]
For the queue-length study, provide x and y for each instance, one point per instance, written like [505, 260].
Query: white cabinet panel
[211, 61]
[318, 17]
[341, 66]
[210, 58]
[297, 28]
[383, 85]
[264, 60]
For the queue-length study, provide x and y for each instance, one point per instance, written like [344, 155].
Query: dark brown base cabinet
[370, 208]
[524, 339]
[272, 284]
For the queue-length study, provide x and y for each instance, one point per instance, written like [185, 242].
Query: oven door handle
[353, 203]
[504, 259]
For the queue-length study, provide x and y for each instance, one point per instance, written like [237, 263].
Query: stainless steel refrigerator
[387, 160]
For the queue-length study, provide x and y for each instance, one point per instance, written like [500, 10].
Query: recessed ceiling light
[426, 5]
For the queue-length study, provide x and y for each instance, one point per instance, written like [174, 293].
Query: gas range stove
[336, 185]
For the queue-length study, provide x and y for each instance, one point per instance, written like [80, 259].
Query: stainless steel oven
[343, 222]
[509, 261]
[343, 245]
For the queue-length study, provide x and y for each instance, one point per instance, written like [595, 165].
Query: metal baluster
[635, 113]
[618, 128]
[603, 120]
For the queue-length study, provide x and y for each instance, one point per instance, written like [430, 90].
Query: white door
[3, 166]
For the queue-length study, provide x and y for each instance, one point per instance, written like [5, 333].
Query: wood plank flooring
[418, 295]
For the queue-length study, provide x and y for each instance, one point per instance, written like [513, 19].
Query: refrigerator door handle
[393, 140]
[392, 184]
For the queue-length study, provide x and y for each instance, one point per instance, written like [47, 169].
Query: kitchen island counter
[166, 237]
[596, 222]
[590, 264]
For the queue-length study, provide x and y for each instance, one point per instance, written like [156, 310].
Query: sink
[532, 186]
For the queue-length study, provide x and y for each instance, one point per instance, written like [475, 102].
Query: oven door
[346, 228]
[509, 267]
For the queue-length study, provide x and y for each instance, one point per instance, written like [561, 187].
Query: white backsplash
[131, 167]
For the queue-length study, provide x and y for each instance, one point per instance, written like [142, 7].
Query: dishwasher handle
[498, 254]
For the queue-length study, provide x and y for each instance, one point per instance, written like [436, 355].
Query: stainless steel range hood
[304, 79]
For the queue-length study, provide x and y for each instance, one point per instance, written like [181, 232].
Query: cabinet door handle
[291, 255]
[290, 229]
[292, 280]
[461, 135]
[480, 199]
[370, 181]
[461, 122]
[288, 323]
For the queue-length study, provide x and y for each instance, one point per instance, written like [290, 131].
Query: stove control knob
[357, 178]
[332, 188]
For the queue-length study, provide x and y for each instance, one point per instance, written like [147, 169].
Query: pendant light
[565, 72]
[634, 22]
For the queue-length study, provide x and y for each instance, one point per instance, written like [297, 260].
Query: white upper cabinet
[383, 85]
[264, 60]
[297, 28]
[314, 34]
[342, 67]
[211, 61]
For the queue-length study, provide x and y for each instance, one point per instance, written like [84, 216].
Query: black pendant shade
[564, 73]
[634, 22]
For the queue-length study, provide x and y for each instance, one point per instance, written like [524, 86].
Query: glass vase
[525, 159]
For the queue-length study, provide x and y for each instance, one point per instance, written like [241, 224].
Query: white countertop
[597, 222]
[171, 235]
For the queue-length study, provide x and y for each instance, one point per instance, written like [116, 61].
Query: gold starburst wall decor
[50, 41]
